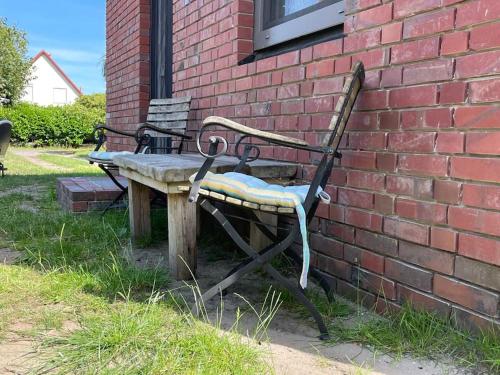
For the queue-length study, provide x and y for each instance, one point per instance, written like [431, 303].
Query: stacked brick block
[416, 198]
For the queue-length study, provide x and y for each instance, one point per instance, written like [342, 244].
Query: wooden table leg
[257, 239]
[139, 210]
[181, 236]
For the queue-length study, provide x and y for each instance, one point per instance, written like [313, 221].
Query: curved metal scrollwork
[250, 147]
[212, 139]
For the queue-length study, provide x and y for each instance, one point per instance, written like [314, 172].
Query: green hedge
[69, 125]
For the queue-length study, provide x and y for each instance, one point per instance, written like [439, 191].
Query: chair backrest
[5, 130]
[171, 114]
[343, 109]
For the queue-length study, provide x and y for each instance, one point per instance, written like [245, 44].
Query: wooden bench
[170, 174]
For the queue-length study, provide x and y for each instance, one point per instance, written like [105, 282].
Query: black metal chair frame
[143, 140]
[5, 132]
[261, 259]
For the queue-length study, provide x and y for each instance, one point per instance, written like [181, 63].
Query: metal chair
[5, 131]
[212, 198]
[165, 116]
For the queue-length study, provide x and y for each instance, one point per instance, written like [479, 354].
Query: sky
[72, 31]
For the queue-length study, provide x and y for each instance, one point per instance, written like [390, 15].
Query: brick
[358, 159]
[392, 77]
[482, 196]
[485, 91]
[429, 23]
[362, 40]
[411, 186]
[292, 106]
[444, 239]
[447, 191]
[327, 246]
[328, 86]
[363, 219]
[335, 267]
[265, 65]
[288, 59]
[426, 257]
[374, 283]
[415, 51]
[411, 141]
[440, 70]
[478, 64]
[413, 96]
[475, 220]
[373, 17]
[481, 117]
[423, 301]
[429, 165]
[466, 295]
[337, 212]
[366, 180]
[369, 100]
[364, 258]
[452, 143]
[483, 143]
[480, 248]
[452, 93]
[403, 8]
[407, 274]
[477, 272]
[479, 169]
[327, 49]
[384, 204]
[359, 295]
[341, 231]
[406, 230]
[387, 162]
[455, 43]
[319, 104]
[485, 37]
[367, 140]
[392, 33]
[372, 59]
[471, 321]
[439, 118]
[355, 198]
[320, 69]
[288, 91]
[343, 64]
[376, 242]
[389, 120]
[423, 211]
[296, 73]
[479, 11]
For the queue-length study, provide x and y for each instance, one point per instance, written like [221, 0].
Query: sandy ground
[291, 344]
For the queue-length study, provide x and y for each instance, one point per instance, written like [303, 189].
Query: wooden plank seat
[281, 242]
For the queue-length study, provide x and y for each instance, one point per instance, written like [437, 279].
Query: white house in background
[50, 85]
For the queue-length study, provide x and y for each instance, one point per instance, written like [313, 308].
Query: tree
[93, 101]
[15, 65]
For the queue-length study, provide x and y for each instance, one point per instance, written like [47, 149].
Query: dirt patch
[291, 340]
[32, 156]
[9, 256]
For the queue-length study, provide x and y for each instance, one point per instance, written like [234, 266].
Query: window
[60, 96]
[278, 21]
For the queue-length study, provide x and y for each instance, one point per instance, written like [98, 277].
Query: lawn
[75, 295]
[87, 310]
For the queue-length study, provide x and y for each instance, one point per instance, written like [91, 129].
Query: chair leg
[258, 260]
[115, 201]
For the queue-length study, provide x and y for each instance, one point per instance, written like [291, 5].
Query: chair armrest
[149, 126]
[101, 128]
[266, 136]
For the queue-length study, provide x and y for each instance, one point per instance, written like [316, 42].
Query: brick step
[82, 194]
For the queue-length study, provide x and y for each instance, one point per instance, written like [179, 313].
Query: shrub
[69, 125]
[93, 101]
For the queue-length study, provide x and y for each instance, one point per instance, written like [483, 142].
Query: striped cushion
[252, 189]
[107, 156]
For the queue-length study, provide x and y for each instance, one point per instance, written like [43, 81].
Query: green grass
[74, 270]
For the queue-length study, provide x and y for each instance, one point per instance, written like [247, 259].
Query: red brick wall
[416, 199]
[127, 67]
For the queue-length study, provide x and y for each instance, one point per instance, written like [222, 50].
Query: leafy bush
[93, 101]
[69, 125]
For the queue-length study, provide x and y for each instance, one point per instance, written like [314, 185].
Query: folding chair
[5, 130]
[165, 116]
[249, 192]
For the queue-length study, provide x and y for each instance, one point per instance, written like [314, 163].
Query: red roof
[58, 68]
